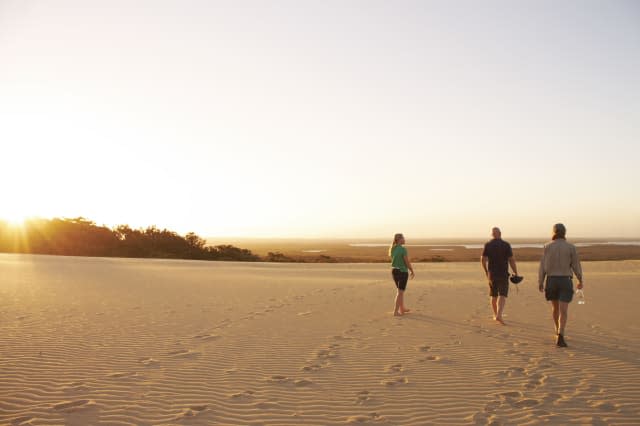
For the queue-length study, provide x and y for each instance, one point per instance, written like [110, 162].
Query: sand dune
[88, 341]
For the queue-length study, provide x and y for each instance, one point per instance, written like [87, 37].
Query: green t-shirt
[397, 258]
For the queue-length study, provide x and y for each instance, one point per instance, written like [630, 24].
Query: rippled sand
[88, 341]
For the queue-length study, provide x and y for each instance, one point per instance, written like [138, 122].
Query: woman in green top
[400, 267]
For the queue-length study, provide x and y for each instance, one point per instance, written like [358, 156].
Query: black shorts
[499, 287]
[400, 278]
[559, 288]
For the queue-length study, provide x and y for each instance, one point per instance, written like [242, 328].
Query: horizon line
[417, 238]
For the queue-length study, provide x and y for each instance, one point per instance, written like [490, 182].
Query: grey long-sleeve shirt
[559, 259]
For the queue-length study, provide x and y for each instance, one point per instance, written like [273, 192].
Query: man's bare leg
[555, 312]
[494, 306]
[560, 315]
[563, 316]
[501, 301]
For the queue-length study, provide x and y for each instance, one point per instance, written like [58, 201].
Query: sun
[13, 217]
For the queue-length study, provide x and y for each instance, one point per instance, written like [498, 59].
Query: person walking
[558, 264]
[400, 267]
[496, 258]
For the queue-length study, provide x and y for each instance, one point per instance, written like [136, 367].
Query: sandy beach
[87, 341]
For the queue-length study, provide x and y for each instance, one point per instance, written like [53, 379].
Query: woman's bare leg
[399, 303]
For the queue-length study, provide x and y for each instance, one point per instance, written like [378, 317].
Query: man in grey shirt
[558, 264]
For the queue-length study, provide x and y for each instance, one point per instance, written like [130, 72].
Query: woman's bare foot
[405, 310]
[500, 320]
[397, 314]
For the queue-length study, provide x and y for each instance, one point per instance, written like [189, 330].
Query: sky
[323, 118]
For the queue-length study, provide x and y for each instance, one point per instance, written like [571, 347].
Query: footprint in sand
[223, 324]
[492, 406]
[326, 354]
[69, 406]
[183, 353]
[526, 403]
[479, 418]
[551, 397]
[535, 381]
[363, 396]
[206, 337]
[431, 358]
[278, 379]
[515, 371]
[372, 417]
[545, 365]
[510, 372]
[148, 362]
[191, 412]
[352, 329]
[248, 394]
[304, 314]
[303, 382]
[593, 389]
[424, 348]
[339, 338]
[123, 375]
[394, 382]
[267, 405]
[395, 368]
[511, 394]
[312, 367]
[562, 399]
[604, 406]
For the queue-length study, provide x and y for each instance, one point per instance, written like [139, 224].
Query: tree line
[82, 237]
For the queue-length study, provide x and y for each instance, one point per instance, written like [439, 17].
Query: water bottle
[580, 296]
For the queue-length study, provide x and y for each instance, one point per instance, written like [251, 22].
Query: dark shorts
[400, 278]
[499, 287]
[559, 288]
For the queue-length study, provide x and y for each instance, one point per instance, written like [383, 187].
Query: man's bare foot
[500, 320]
[397, 314]
[404, 311]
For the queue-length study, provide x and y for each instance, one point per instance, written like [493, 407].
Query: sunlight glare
[13, 217]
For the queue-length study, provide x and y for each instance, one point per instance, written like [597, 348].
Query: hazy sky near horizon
[333, 118]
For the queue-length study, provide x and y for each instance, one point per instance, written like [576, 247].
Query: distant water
[523, 245]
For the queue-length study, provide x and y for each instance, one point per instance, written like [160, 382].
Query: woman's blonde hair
[396, 238]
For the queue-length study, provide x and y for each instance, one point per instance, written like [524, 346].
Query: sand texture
[86, 341]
